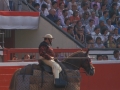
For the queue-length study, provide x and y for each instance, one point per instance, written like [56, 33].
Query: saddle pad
[22, 84]
[72, 75]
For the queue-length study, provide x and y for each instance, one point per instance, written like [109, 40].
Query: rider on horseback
[47, 56]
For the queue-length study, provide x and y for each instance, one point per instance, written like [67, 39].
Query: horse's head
[81, 59]
[87, 65]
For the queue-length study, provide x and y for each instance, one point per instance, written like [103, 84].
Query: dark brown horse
[31, 74]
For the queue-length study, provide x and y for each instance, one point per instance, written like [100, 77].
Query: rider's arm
[43, 52]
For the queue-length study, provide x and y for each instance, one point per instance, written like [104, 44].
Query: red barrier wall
[107, 76]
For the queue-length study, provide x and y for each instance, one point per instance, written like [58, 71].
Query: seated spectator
[72, 2]
[84, 9]
[90, 27]
[102, 26]
[32, 56]
[114, 19]
[113, 10]
[31, 2]
[58, 23]
[95, 18]
[63, 16]
[98, 43]
[44, 10]
[105, 57]
[96, 2]
[37, 6]
[104, 17]
[110, 27]
[96, 33]
[116, 55]
[105, 34]
[118, 42]
[27, 56]
[60, 9]
[110, 43]
[118, 26]
[80, 35]
[85, 18]
[85, 1]
[70, 12]
[90, 42]
[14, 57]
[74, 18]
[70, 31]
[103, 8]
[95, 9]
[52, 15]
[67, 23]
[99, 57]
[78, 25]
[54, 5]
[116, 35]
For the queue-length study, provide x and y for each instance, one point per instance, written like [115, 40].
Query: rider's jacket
[46, 51]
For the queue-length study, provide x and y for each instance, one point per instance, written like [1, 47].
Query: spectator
[96, 33]
[104, 17]
[70, 31]
[61, 8]
[85, 18]
[116, 55]
[63, 16]
[90, 27]
[44, 10]
[95, 9]
[99, 57]
[4, 5]
[90, 42]
[113, 10]
[58, 23]
[80, 35]
[105, 35]
[96, 2]
[95, 18]
[14, 57]
[85, 1]
[113, 18]
[118, 42]
[72, 2]
[37, 6]
[103, 8]
[105, 57]
[116, 35]
[118, 26]
[84, 9]
[31, 2]
[27, 56]
[74, 18]
[102, 26]
[54, 5]
[32, 56]
[78, 25]
[98, 43]
[110, 43]
[109, 26]
[52, 15]
[67, 23]
[70, 12]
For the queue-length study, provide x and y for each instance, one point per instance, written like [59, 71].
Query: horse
[31, 77]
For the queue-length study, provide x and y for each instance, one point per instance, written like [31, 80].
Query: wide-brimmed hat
[48, 36]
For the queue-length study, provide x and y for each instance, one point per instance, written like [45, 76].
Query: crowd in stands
[94, 23]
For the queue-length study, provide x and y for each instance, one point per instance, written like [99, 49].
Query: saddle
[62, 81]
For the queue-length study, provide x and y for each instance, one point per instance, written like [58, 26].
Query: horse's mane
[78, 54]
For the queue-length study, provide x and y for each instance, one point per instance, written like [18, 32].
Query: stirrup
[60, 83]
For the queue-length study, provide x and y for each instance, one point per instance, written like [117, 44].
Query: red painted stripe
[4, 87]
[16, 13]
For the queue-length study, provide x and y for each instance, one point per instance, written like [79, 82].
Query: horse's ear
[87, 52]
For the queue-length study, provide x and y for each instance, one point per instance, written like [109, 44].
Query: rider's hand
[52, 57]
